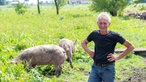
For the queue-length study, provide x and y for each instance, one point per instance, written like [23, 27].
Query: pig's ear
[75, 42]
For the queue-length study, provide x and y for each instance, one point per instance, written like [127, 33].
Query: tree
[59, 4]
[137, 1]
[38, 7]
[111, 6]
[2, 2]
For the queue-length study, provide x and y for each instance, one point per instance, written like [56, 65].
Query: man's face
[103, 24]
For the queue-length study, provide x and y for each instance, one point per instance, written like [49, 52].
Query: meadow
[18, 32]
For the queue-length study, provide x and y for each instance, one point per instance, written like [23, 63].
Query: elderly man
[105, 40]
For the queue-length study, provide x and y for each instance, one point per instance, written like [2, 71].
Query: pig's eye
[64, 52]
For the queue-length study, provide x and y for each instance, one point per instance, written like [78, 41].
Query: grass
[18, 32]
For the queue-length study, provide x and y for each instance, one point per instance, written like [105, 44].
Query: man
[103, 68]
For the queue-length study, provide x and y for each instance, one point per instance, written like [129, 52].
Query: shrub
[113, 6]
[20, 8]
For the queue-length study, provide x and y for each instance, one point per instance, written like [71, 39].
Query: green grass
[18, 32]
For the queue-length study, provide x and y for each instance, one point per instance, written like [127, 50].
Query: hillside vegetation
[18, 32]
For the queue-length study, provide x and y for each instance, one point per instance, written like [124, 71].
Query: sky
[33, 1]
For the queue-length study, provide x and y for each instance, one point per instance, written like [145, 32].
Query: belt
[103, 64]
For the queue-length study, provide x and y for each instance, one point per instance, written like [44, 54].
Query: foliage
[74, 22]
[62, 2]
[20, 8]
[140, 7]
[2, 2]
[111, 6]
[137, 1]
[135, 8]
[59, 4]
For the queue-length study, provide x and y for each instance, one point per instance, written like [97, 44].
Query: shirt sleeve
[91, 36]
[120, 39]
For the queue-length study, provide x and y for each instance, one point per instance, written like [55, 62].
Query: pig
[43, 55]
[70, 47]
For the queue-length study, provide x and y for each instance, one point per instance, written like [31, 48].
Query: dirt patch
[86, 73]
[138, 15]
[138, 75]
[144, 60]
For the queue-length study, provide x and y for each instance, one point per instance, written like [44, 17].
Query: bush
[112, 6]
[20, 8]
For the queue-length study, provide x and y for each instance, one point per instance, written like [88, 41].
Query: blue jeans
[102, 73]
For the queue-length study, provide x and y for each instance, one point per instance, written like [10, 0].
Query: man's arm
[129, 48]
[84, 45]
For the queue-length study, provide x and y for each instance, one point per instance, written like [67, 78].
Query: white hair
[104, 15]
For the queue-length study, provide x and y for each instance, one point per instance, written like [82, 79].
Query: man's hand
[111, 57]
[91, 53]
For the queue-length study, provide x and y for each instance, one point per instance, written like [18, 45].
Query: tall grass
[18, 32]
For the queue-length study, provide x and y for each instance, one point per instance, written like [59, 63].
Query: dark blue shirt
[104, 45]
